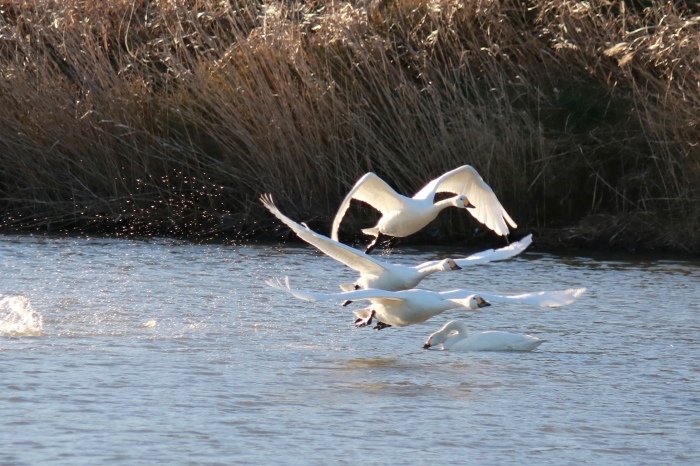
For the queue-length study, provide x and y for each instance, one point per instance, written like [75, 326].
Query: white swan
[407, 307]
[402, 216]
[455, 336]
[381, 275]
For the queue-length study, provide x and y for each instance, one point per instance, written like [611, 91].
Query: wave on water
[18, 318]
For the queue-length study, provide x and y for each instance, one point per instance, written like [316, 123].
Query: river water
[167, 352]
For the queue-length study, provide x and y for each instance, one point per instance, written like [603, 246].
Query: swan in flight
[407, 307]
[403, 216]
[381, 275]
[455, 336]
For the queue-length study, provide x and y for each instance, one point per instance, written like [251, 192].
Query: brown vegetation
[173, 116]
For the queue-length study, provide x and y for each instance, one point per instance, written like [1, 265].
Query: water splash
[18, 318]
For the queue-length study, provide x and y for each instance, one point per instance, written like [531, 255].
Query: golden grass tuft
[173, 116]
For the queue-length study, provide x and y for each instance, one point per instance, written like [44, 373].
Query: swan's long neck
[465, 302]
[440, 337]
[445, 203]
[456, 326]
[427, 270]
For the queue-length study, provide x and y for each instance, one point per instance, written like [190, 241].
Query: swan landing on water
[455, 336]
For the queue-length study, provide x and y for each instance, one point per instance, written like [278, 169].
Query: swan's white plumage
[492, 255]
[402, 216]
[538, 298]
[381, 275]
[455, 336]
[467, 181]
[407, 307]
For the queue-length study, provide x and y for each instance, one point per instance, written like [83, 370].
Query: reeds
[171, 117]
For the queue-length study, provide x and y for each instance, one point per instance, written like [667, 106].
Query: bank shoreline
[172, 118]
[564, 239]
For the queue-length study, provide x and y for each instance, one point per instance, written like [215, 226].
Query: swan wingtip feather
[277, 283]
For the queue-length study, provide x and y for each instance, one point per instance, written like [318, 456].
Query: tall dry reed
[172, 117]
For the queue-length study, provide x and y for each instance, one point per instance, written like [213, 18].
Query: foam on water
[18, 318]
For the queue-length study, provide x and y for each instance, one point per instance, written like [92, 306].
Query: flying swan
[455, 336]
[407, 307]
[384, 276]
[403, 216]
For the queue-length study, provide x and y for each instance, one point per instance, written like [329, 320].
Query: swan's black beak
[456, 267]
[469, 205]
[426, 346]
[482, 302]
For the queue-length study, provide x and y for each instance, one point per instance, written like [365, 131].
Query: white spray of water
[18, 318]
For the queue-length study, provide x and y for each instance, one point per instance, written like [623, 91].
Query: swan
[492, 340]
[384, 276]
[408, 307]
[403, 216]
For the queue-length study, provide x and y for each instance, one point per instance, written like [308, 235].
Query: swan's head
[462, 202]
[450, 329]
[449, 264]
[435, 339]
[475, 302]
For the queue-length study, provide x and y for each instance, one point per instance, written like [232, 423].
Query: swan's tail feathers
[363, 313]
[348, 287]
[277, 283]
[528, 345]
[371, 231]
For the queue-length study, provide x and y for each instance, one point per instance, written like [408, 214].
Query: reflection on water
[169, 352]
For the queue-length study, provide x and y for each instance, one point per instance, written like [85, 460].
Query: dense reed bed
[173, 116]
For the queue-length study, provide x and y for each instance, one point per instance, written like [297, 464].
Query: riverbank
[171, 118]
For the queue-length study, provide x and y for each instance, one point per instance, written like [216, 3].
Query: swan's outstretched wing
[538, 299]
[489, 255]
[500, 254]
[351, 257]
[356, 295]
[466, 181]
[372, 190]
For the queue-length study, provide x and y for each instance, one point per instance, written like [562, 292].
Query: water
[161, 351]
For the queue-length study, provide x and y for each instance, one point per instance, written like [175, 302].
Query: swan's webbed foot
[387, 240]
[373, 244]
[360, 322]
[347, 301]
[381, 325]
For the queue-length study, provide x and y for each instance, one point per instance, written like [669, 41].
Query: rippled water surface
[143, 352]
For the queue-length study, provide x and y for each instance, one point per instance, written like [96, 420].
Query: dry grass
[171, 117]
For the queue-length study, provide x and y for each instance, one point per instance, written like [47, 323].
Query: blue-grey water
[167, 352]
